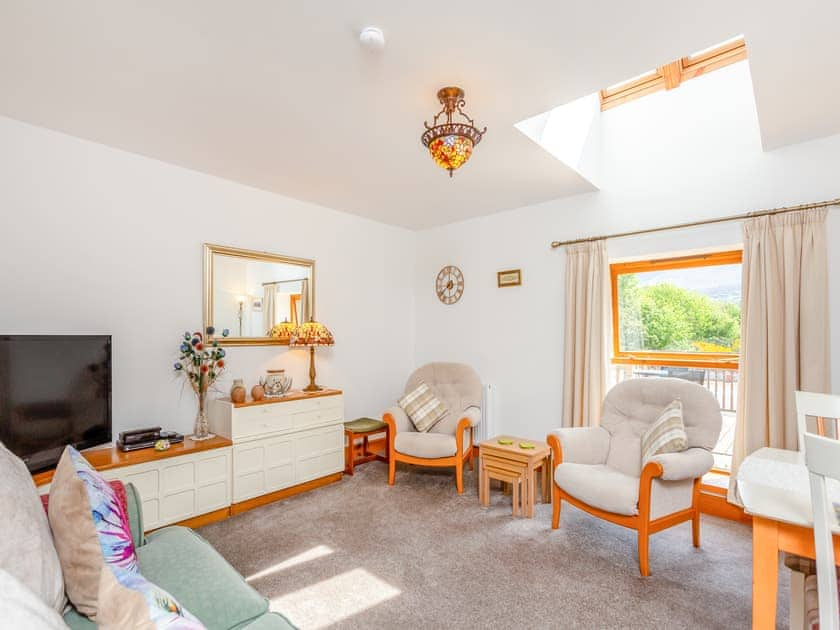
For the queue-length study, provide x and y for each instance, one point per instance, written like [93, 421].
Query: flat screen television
[54, 390]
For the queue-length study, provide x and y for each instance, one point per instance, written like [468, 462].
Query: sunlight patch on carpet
[332, 600]
[316, 552]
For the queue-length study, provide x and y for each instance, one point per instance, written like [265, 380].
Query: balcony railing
[722, 383]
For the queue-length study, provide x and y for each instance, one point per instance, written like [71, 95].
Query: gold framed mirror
[258, 296]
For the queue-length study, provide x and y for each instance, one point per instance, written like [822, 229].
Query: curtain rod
[268, 284]
[680, 226]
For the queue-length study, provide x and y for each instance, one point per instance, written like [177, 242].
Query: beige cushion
[600, 486]
[21, 608]
[666, 434]
[422, 407]
[75, 537]
[26, 545]
[633, 405]
[456, 385]
[425, 445]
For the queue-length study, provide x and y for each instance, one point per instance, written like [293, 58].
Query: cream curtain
[304, 301]
[269, 307]
[587, 333]
[784, 328]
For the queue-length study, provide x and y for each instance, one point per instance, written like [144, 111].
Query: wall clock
[449, 285]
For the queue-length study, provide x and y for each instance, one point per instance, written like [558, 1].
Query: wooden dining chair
[824, 408]
[823, 411]
[822, 457]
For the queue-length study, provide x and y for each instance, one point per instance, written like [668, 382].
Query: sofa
[174, 558]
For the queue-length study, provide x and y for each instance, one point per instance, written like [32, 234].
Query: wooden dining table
[774, 488]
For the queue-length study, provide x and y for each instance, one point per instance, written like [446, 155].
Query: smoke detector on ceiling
[372, 38]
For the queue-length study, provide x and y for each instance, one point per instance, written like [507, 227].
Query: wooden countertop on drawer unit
[112, 457]
[295, 394]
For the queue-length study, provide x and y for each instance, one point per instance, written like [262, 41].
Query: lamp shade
[312, 333]
[283, 330]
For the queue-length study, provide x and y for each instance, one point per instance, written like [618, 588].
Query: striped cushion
[812, 603]
[422, 407]
[666, 435]
[808, 566]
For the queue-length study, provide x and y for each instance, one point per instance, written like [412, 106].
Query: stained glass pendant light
[451, 142]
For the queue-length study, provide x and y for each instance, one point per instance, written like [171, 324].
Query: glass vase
[201, 430]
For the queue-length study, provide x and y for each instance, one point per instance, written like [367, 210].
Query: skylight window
[671, 75]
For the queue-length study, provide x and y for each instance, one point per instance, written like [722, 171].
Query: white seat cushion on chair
[425, 445]
[600, 486]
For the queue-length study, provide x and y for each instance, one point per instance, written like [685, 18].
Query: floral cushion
[93, 538]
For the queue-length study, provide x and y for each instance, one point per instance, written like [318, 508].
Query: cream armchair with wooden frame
[450, 441]
[599, 469]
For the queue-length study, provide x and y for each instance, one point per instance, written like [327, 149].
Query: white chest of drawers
[179, 488]
[282, 442]
[190, 481]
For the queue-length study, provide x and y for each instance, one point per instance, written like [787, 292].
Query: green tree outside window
[664, 317]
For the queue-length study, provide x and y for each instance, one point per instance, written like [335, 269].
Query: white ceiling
[279, 95]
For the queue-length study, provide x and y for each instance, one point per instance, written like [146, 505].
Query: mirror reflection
[249, 293]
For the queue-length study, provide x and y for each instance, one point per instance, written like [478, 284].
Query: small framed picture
[256, 304]
[509, 278]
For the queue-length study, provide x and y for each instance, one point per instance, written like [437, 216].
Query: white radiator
[487, 427]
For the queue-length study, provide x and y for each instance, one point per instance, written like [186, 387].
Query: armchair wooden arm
[556, 494]
[463, 425]
[556, 448]
[389, 420]
[651, 471]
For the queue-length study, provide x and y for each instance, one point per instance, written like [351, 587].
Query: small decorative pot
[238, 391]
[257, 392]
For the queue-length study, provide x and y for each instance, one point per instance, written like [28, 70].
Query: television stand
[188, 484]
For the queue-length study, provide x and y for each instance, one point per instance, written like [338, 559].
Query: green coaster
[527, 445]
[505, 441]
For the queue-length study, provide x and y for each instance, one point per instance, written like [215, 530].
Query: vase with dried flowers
[201, 362]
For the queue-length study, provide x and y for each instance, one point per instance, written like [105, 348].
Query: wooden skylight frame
[673, 74]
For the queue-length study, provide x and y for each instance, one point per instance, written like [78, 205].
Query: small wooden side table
[517, 462]
[363, 428]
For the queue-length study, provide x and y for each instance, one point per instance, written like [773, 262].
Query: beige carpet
[361, 554]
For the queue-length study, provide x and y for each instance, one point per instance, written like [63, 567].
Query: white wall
[96, 240]
[111, 242]
[665, 161]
